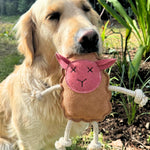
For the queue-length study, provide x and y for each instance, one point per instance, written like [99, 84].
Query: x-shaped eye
[73, 69]
[90, 69]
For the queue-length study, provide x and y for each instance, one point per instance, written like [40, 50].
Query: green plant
[81, 142]
[128, 103]
[130, 108]
[148, 139]
[142, 13]
[103, 34]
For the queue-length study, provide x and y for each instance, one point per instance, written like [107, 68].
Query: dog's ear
[25, 34]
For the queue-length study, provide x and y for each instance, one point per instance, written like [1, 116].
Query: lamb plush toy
[86, 93]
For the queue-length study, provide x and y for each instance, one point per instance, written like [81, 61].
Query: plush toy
[86, 93]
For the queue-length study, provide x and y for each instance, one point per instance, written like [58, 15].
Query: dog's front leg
[5, 145]
[140, 98]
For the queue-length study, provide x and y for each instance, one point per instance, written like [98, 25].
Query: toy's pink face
[83, 76]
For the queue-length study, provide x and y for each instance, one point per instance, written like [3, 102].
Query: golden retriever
[64, 26]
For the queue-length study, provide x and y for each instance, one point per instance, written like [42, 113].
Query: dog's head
[64, 26]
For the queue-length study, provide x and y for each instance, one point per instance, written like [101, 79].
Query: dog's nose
[88, 41]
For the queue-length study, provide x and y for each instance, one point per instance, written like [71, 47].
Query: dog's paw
[5, 145]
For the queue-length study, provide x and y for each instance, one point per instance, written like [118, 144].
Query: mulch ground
[115, 127]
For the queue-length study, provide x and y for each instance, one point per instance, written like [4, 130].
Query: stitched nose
[82, 81]
[88, 41]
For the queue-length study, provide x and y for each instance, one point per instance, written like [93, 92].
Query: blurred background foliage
[14, 7]
[18, 7]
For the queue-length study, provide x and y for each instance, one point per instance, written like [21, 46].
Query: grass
[7, 64]
[9, 19]
[82, 142]
[7, 39]
[8, 46]
[113, 39]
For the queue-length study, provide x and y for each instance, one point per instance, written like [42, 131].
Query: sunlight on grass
[113, 39]
[7, 39]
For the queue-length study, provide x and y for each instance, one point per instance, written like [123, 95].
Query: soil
[115, 127]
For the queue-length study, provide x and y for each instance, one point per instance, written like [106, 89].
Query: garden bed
[115, 128]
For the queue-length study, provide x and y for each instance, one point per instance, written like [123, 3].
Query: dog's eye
[54, 16]
[85, 8]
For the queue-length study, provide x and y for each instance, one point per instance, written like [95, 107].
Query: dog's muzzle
[87, 41]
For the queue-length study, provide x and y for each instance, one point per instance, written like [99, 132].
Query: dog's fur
[27, 122]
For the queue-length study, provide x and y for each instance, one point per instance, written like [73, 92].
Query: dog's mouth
[91, 47]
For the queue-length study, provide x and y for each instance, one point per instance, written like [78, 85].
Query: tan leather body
[88, 107]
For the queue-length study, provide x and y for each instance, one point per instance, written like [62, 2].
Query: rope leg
[140, 98]
[67, 131]
[95, 145]
[65, 141]
[38, 94]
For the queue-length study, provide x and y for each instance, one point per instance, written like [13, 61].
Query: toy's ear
[105, 63]
[64, 62]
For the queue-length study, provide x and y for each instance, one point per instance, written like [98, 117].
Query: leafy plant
[143, 39]
[130, 108]
[103, 34]
[140, 30]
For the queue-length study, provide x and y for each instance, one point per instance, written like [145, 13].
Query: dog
[64, 26]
